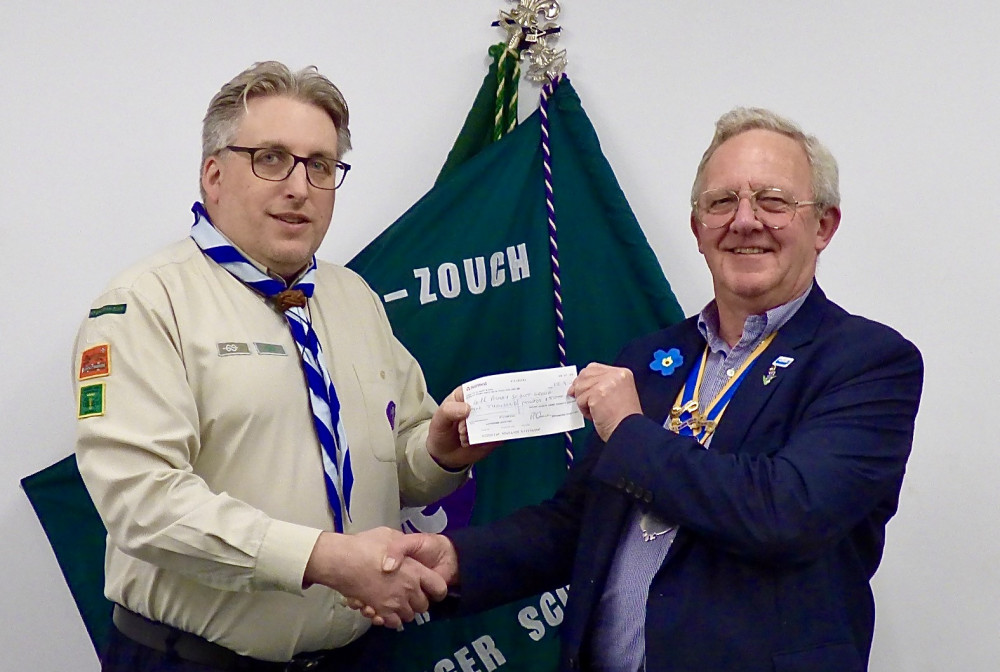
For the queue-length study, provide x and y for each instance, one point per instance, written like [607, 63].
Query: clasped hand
[432, 553]
[358, 567]
[390, 576]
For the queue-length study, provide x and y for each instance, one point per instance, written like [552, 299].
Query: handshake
[388, 576]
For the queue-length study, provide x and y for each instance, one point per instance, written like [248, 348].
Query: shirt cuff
[283, 556]
[431, 480]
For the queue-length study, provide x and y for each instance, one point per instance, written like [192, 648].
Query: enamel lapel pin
[780, 363]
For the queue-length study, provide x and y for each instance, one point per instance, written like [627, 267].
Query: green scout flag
[467, 283]
[77, 536]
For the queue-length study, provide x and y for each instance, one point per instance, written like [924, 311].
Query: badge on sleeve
[95, 362]
[91, 401]
[110, 309]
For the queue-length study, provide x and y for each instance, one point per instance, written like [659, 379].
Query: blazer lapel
[658, 390]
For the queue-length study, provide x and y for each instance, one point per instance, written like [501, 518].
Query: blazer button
[648, 497]
[630, 488]
[620, 483]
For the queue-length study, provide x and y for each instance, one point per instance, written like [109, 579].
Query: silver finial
[529, 28]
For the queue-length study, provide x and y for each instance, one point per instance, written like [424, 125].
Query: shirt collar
[756, 327]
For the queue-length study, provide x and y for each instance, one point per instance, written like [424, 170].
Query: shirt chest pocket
[371, 415]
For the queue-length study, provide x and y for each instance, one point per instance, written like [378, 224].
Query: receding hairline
[803, 151]
[823, 169]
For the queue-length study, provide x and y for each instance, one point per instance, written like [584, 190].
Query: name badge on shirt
[226, 349]
[270, 349]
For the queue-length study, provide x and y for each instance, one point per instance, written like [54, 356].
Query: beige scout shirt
[200, 453]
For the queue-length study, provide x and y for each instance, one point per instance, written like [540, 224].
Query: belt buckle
[305, 661]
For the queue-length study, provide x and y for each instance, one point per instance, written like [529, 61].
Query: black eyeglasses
[275, 165]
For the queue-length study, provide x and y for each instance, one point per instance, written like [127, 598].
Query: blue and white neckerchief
[322, 395]
[688, 417]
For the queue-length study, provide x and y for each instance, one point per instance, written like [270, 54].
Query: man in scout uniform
[248, 425]
[733, 510]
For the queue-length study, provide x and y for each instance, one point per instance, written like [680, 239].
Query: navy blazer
[782, 521]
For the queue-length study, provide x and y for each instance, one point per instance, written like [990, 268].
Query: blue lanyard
[687, 418]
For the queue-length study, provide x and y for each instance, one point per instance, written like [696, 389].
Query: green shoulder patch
[110, 309]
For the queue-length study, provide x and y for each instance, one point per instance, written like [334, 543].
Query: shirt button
[730, 372]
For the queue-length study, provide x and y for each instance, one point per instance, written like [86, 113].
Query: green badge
[110, 309]
[91, 400]
[270, 349]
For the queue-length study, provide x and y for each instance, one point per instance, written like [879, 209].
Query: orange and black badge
[95, 362]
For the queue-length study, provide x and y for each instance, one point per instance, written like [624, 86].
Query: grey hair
[825, 175]
[270, 78]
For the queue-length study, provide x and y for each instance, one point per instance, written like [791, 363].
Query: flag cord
[550, 209]
[508, 78]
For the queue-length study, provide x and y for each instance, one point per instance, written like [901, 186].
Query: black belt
[195, 649]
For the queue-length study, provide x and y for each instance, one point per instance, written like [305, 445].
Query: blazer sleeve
[525, 553]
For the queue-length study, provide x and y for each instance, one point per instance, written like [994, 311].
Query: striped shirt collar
[755, 329]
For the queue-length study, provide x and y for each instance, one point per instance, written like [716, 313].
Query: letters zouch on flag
[466, 280]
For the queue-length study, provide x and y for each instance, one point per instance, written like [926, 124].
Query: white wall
[100, 108]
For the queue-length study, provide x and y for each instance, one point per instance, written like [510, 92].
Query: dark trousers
[125, 655]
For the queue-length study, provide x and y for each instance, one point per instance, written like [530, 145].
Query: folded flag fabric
[466, 276]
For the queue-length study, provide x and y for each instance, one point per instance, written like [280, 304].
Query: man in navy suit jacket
[733, 511]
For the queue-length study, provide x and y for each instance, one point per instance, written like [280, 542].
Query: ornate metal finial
[529, 26]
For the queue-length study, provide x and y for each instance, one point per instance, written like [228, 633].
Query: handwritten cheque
[522, 404]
